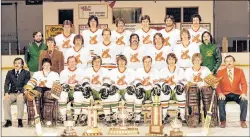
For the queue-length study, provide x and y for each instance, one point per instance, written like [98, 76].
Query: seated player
[46, 105]
[172, 80]
[145, 79]
[115, 88]
[198, 90]
[69, 77]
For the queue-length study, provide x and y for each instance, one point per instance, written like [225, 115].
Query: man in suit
[54, 55]
[232, 87]
[13, 88]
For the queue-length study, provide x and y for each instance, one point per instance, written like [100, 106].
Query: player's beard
[169, 25]
[38, 41]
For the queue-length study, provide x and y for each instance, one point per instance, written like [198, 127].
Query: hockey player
[120, 36]
[146, 33]
[42, 81]
[64, 41]
[148, 77]
[170, 33]
[196, 31]
[70, 76]
[114, 88]
[134, 52]
[107, 50]
[79, 51]
[172, 80]
[196, 87]
[159, 52]
[185, 50]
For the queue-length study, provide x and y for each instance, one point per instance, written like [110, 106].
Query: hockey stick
[202, 111]
[208, 116]
[37, 121]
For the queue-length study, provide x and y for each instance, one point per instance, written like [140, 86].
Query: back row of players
[145, 41]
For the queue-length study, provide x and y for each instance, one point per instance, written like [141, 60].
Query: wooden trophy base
[176, 133]
[92, 132]
[69, 133]
[123, 131]
[155, 130]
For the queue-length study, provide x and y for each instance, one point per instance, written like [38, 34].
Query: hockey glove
[166, 89]
[156, 90]
[113, 90]
[86, 90]
[139, 91]
[131, 89]
[179, 88]
[104, 92]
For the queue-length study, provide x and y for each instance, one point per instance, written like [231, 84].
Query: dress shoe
[20, 123]
[243, 124]
[223, 124]
[7, 124]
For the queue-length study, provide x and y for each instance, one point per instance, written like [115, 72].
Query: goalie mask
[156, 91]
[166, 89]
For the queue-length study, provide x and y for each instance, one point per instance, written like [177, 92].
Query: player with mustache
[196, 30]
[134, 52]
[211, 54]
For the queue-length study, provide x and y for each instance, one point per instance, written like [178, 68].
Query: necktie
[230, 76]
[17, 73]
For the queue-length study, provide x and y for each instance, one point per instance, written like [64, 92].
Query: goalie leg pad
[193, 107]
[206, 93]
[31, 110]
[50, 107]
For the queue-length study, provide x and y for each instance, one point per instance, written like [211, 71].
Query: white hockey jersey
[39, 79]
[108, 54]
[172, 37]
[159, 56]
[134, 57]
[64, 43]
[91, 38]
[122, 79]
[120, 39]
[71, 77]
[197, 76]
[96, 77]
[145, 77]
[81, 55]
[184, 54]
[196, 35]
[173, 78]
[146, 38]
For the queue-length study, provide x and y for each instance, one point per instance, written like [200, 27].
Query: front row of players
[122, 83]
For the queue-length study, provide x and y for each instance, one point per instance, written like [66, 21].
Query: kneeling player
[172, 79]
[46, 105]
[195, 78]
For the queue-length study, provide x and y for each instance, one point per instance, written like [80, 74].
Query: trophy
[176, 125]
[156, 127]
[123, 129]
[69, 124]
[92, 129]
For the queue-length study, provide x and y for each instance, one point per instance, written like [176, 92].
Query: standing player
[172, 79]
[134, 52]
[79, 51]
[70, 76]
[120, 36]
[159, 52]
[146, 33]
[170, 33]
[196, 31]
[185, 50]
[107, 50]
[64, 41]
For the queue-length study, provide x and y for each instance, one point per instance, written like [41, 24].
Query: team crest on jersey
[71, 79]
[184, 55]
[159, 56]
[93, 40]
[197, 78]
[145, 81]
[121, 81]
[95, 80]
[119, 41]
[146, 40]
[42, 83]
[105, 53]
[209, 53]
[166, 43]
[196, 38]
[66, 44]
[78, 59]
[134, 58]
